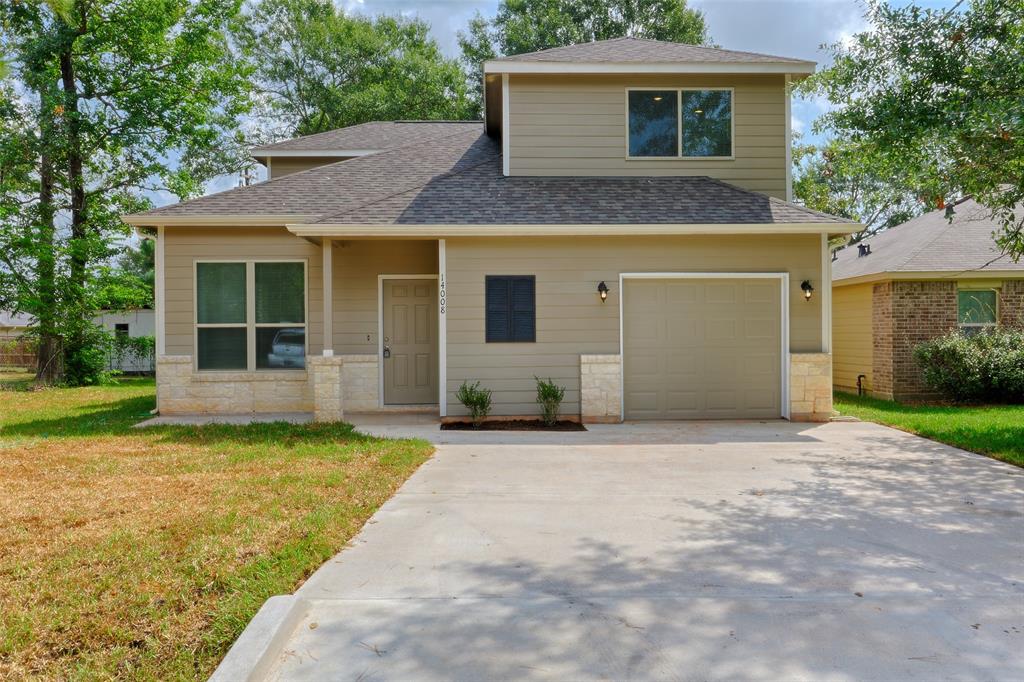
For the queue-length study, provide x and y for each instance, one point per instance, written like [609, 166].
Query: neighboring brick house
[914, 282]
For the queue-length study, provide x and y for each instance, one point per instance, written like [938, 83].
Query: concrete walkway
[699, 551]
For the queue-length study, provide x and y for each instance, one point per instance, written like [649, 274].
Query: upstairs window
[680, 123]
[976, 309]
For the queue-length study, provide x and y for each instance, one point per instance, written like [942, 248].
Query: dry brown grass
[142, 554]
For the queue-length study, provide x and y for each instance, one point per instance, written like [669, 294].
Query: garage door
[702, 348]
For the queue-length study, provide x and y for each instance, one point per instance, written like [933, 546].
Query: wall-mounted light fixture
[602, 291]
[808, 289]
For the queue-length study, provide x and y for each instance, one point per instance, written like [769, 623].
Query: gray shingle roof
[457, 179]
[373, 135]
[626, 50]
[930, 243]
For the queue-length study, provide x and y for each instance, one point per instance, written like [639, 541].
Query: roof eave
[259, 153]
[541, 67]
[216, 220]
[560, 230]
[927, 275]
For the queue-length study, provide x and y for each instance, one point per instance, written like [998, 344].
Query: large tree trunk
[50, 355]
[80, 244]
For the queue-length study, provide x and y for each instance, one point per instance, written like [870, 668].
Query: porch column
[328, 292]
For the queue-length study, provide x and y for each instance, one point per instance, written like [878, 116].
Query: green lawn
[142, 554]
[996, 430]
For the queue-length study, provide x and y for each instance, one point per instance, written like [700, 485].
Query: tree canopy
[106, 102]
[529, 25]
[933, 100]
[833, 177]
[317, 68]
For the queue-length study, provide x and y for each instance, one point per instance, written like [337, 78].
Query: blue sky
[790, 28]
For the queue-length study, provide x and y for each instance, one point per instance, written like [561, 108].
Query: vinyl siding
[852, 353]
[279, 167]
[572, 320]
[576, 125]
[356, 267]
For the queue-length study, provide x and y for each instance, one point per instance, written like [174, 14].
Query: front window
[250, 315]
[680, 123]
[976, 309]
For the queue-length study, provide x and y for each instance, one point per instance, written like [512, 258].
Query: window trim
[512, 277]
[977, 325]
[250, 324]
[679, 124]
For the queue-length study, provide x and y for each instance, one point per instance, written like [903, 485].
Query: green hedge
[984, 367]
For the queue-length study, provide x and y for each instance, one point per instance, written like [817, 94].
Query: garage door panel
[702, 349]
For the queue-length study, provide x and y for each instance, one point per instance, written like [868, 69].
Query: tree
[114, 99]
[318, 69]
[832, 178]
[530, 25]
[934, 100]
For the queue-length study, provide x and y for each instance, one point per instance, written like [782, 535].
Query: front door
[410, 341]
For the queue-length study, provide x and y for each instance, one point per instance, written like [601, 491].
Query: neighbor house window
[680, 123]
[250, 315]
[511, 308]
[976, 309]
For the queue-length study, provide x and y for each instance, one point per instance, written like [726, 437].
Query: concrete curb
[261, 643]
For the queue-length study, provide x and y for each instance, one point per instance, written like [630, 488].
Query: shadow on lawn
[116, 418]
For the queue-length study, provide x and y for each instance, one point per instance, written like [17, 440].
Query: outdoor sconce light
[602, 291]
[806, 286]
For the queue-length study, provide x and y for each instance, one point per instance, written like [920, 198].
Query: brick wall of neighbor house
[1011, 303]
[881, 334]
[905, 314]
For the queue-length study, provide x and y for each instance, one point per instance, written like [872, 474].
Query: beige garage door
[702, 348]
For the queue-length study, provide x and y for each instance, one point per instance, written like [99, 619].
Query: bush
[983, 367]
[549, 397]
[477, 400]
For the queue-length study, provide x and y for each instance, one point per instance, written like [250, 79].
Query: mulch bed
[514, 425]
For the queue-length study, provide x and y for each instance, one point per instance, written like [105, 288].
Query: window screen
[976, 308]
[511, 308]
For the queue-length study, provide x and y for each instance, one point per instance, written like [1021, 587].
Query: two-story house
[620, 222]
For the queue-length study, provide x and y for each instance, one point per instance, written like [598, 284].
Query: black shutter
[511, 309]
[524, 311]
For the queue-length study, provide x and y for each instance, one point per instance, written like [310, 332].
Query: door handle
[387, 352]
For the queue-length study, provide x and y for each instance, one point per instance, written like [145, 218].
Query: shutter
[524, 309]
[499, 319]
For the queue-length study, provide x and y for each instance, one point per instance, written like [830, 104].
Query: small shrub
[549, 397]
[477, 400]
[983, 367]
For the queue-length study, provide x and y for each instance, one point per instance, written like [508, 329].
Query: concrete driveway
[698, 551]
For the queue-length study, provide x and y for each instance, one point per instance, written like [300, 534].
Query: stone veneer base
[810, 387]
[345, 382]
[601, 389]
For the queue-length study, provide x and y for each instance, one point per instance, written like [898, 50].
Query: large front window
[250, 315]
[680, 123]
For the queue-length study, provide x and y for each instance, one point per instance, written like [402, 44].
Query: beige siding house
[618, 223]
[914, 282]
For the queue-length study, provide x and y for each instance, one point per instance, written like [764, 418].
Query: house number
[440, 289]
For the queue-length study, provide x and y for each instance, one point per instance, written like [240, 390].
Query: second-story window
[680, 123]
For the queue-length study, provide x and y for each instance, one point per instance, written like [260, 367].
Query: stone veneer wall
[907, 313]
[327, 388]
[810, 387]
[180, 390]
[1011, 303]
[600, 388]
[360, 382]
